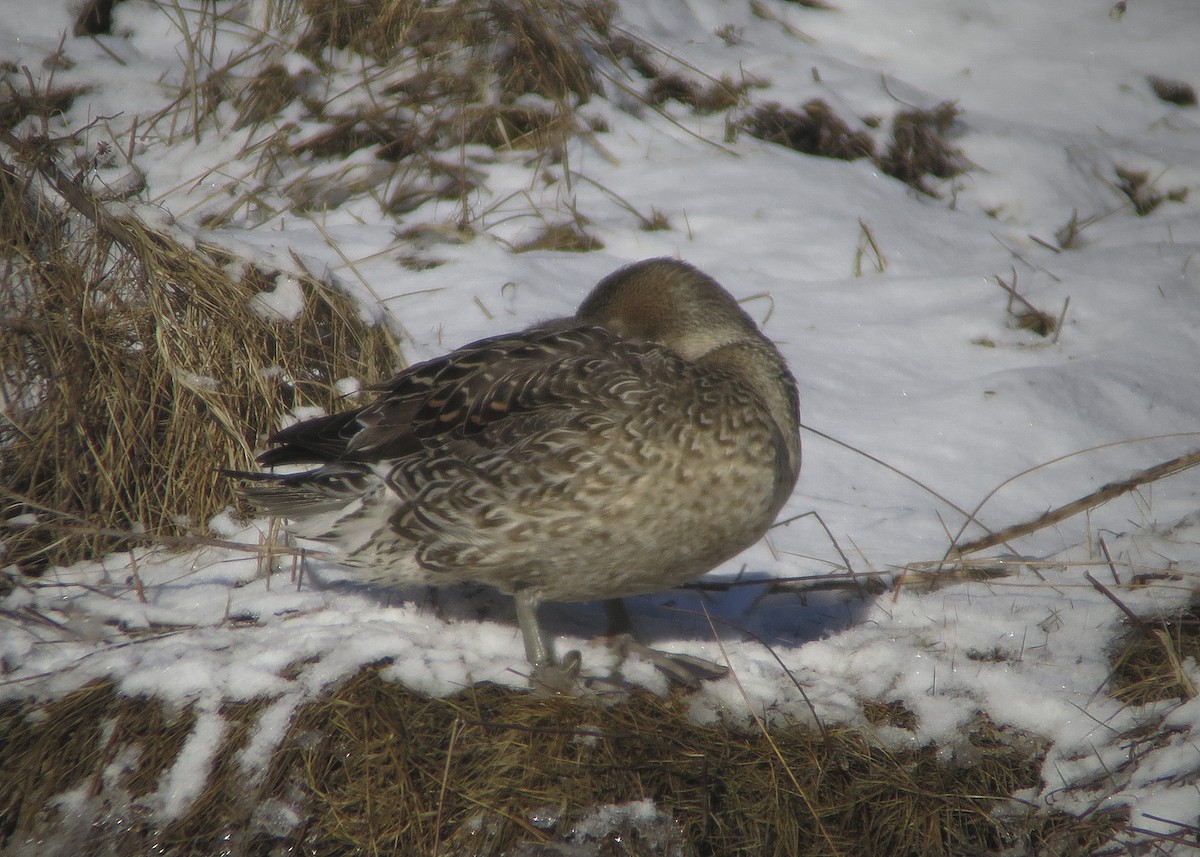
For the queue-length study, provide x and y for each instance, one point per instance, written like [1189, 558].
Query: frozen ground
[918, 364]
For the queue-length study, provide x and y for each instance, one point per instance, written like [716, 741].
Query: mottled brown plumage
[623, 451]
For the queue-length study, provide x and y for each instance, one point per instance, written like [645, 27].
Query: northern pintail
[622, 451]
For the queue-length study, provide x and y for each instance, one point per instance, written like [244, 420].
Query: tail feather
[303, 495]
[315, 441]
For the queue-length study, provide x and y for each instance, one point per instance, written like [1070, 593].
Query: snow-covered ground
[919, 365]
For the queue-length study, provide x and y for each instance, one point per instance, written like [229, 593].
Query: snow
[917, 365]
[283, 303]
[183, 781]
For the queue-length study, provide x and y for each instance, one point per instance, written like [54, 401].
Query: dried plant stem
[1107, 593]
[126, 339]
[71, 192]
[1178, 673]
[867, 242]
[1089, 501]
[441, 803]
[807, 799]
[968, 516]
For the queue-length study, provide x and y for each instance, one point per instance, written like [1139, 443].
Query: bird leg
[537, 648]
[547, 674]
[556, 677]
[685, 670]
[620, 621]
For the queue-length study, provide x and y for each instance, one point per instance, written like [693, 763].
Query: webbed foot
[557, 679]
[684, 670]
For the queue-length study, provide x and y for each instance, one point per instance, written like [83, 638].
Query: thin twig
[1111, 565]
[137, 578]
[770, 650]
[1090, 501]
[1121, 605]
[968, 516]
[441, 804]
[766, 733]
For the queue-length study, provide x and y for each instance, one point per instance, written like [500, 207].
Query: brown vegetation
[815, 131]
[919, 146]
[374, 768]
[133, 367]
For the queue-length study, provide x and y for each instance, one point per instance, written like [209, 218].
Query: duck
[624, 450]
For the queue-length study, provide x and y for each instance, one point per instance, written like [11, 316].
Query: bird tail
[303, 495]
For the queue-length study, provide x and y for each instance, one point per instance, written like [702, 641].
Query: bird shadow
[749, 608]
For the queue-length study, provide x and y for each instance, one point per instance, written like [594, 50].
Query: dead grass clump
[919, 147]
[267, 93]
[1148, 659]
[94, 18]
[132, 367]
[113, 747]
[892, 713]
[428, 79]
[525, 47]
[1026, 316]
[522, 127]
[224, 811]
[387, 769]
[815, 131]
[717, 95]
[16, 104]
[1173, 91]
[1138, 187]
[110, 753]
[567, 237]
[1068, 235]
[1060, 834]
[375, 768]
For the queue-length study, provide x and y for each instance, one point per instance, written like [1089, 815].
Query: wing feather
[456, 396]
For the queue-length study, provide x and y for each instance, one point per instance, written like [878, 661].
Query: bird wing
[456, 396]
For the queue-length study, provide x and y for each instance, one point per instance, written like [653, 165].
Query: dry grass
[711, 97]
[564, 237]
[1142, 193]
[374, 768]
[815, 131]
[112, 750]
[16, 104]
[429, 91]
[1173, 91]
[434, 80]
[892, 713]
[1148, 659]
[73, 740]
[1025, 316]
[919, 147]
[133, 367]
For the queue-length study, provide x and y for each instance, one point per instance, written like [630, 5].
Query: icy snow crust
[918, 365]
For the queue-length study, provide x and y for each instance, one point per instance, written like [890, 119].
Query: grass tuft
[430, 81]
[919, 147]
[1147, 661]
[372, 767]
[1173, 91]
[892, 713]
[16, 104]
[568, 237]
[133, 367]
[1141, 191]
[815, 131]
[716, 96]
